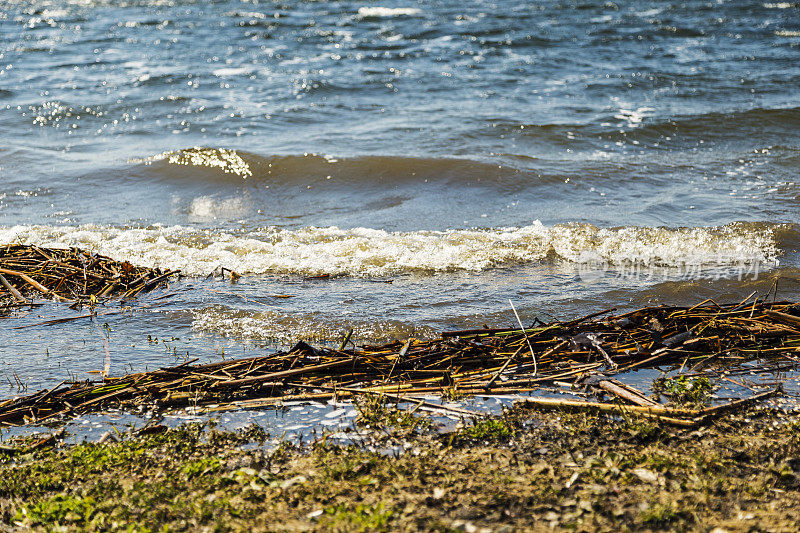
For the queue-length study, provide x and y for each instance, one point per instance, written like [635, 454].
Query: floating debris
[69, 274]
[704, 340]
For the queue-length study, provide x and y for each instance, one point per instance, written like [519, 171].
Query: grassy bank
[525, 471]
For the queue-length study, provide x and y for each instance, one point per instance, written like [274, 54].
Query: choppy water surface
[436, 159]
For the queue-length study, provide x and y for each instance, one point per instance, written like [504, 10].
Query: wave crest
[225, 160]
[376, 252]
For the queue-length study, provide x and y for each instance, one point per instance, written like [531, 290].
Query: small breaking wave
[228, 165]
[374, 252]
[224, 160]
[283, 328]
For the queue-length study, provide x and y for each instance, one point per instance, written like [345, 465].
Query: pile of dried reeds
[68, 275]
[703, 339]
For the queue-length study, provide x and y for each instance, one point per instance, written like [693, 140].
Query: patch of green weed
[684, 391]
[359, 518]
[59, 509]
[488, 429]
[201, 467]
[374, 411]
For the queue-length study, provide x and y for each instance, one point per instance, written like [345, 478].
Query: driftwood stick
[533, 354]
[14, 292]
[32, 282]
[626, 392]
[786, 318]
[737, 404]
[284, 373]
[503, 368]
[608, 407]
[659, 414]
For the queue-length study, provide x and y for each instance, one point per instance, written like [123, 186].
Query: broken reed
[69, 275]
[704, 340]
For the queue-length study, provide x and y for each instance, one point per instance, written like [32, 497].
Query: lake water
[436, 159]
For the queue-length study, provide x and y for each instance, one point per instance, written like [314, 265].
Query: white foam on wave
[228, 161]
[375, 252]
[365, 12]
[286, 328]
[209, 208]
[231, 71]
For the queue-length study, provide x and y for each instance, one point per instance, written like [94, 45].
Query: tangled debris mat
[71, 275]
[707, 339]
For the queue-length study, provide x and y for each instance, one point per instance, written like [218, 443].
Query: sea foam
[376, 252]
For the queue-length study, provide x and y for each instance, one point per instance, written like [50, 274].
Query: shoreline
[705, 343]
[627, 462]
[524, 471]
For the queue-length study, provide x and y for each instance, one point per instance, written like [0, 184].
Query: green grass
[358, 518]
[201, 467]
[59, 509]
[589, 472]
[488, 430]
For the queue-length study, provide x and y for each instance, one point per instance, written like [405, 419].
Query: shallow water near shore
[435, 161]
